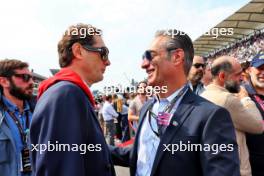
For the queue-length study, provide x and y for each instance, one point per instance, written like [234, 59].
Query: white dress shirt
[148, 140]
[108, 111]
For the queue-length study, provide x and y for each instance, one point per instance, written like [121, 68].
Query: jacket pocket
[5, 145]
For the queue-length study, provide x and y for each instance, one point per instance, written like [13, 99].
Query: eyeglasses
[149, 54]
[24, 77]
[198, 65]
[102, 50]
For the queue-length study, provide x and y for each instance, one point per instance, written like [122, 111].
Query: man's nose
[107, 62]
[145, 63]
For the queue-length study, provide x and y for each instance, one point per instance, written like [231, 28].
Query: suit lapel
[176, 122]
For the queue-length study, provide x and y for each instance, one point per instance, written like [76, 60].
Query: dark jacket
[199, 122]
[64, 115]
[256, 142]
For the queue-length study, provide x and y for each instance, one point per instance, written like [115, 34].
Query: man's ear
[177, 56]
[4, 82]
[77, 51]
[222, 76]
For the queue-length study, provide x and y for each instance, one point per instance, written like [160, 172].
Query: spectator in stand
[245, 49]
[255, 88]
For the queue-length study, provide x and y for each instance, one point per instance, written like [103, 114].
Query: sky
[30, 30]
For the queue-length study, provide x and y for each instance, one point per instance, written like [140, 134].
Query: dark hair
[7, 67]
[224, 66]
[72, 35]
[144, 82]
[245, 65]
[108, 97]
[179, 39]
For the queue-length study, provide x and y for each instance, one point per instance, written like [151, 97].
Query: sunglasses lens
[199, 65]
[147, 55]
[104, 53]
[26, 77]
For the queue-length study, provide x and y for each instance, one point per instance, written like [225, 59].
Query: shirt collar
[12, 107]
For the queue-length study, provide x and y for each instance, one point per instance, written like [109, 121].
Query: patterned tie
[163, 118]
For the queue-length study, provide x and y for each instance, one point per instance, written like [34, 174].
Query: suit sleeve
[120, 156]
[58, 120]
[219, 135]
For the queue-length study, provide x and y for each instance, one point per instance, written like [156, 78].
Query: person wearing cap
[65, 132]
[255, 89]
[225, 91]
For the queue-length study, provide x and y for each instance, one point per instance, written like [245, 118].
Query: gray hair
[179, 39]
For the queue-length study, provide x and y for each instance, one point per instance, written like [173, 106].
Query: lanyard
[22, 133]
[168, 109]
[259, 101]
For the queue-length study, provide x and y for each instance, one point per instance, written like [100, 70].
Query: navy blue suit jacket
[200, 122]
[64, 115]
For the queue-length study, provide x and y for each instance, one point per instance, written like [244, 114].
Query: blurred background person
[196, 74]
[136, 105]
[16, 86]
[207, 78]
[109, 115]
[255, 89]
[226, 71]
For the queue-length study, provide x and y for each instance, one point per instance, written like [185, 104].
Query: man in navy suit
[179, 133]
[65, 134]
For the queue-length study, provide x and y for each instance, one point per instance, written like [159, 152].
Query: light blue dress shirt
[148, 140]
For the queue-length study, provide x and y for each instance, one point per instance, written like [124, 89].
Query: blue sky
[30, 30]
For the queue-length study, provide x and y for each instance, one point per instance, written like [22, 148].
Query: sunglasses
[103, 51]
[149, 54]
[198, 65]
[24, 77]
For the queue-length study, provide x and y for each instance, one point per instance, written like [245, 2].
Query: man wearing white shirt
[178, 118]
[109, 114]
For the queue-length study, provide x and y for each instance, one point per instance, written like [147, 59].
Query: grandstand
[37, 78]
[247, 37]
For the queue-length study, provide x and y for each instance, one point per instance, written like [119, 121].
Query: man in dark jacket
[255, 89]
[174, 122]
[66, 136]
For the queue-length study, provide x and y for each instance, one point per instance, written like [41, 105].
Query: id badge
[164, 118]
[25, 165]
